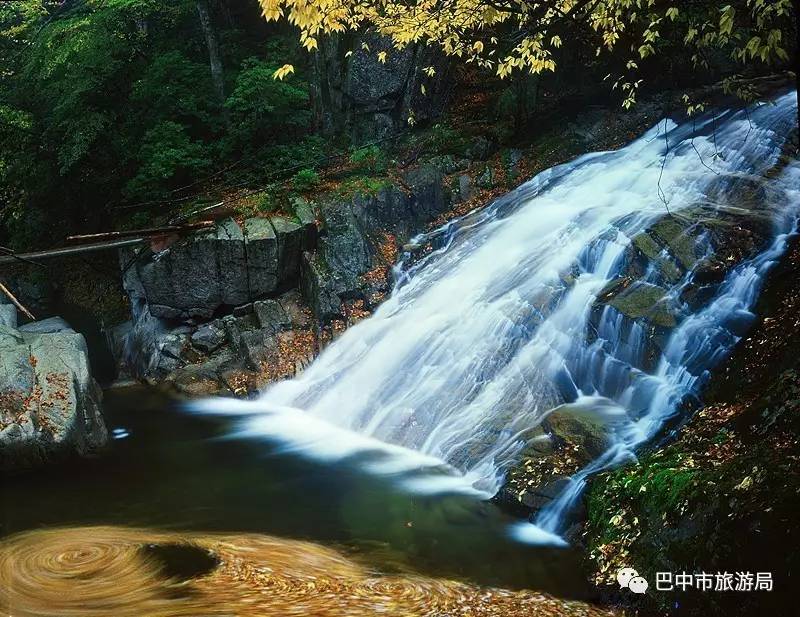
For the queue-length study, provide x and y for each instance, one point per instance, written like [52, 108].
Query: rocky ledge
[50, 406]
[251, 301]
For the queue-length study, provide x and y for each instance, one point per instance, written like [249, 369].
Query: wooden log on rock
[16, 302]
[149, 231]
[69, 251]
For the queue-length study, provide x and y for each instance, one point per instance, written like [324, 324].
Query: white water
[488, 332]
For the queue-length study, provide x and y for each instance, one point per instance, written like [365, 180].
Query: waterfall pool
[169, 471]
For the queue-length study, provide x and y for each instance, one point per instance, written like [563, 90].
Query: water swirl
[103, 571]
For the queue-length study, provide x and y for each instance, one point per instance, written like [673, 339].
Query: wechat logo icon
[628, 578]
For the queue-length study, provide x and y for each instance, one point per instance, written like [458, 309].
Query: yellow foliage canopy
[505, 36]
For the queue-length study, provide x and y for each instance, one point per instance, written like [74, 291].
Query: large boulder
[226, 266]
[365, 98]
[359, 237]
[50, 406]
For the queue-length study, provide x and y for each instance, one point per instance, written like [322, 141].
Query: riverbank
[723, 491]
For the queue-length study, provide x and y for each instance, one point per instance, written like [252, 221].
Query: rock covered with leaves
[50, 406]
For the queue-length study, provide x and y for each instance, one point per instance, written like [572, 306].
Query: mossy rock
[589, 434]
[676, 234]
[643, 300]
[654, 252]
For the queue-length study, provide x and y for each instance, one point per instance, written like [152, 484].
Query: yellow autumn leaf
[282, 72]
[382, 57]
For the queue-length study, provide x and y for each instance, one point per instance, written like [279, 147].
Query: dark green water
[177, 471]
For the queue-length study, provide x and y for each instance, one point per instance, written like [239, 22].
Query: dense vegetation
[125, 113]
[108, 103]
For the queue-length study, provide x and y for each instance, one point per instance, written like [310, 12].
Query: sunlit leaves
[747, 30]
[282, 72]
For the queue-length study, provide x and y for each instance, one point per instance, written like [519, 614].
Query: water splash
[490, 330]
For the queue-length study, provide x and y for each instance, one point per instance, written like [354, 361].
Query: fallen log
[70, 250]
[7, 251]
[149, 231]
[17, 303]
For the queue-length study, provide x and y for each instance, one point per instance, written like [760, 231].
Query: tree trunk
[214, 58]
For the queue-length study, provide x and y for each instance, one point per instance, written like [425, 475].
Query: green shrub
[305, 180]
[167, 156]
[265, 110]
[369, 159]
[362, 185]
[444, 139]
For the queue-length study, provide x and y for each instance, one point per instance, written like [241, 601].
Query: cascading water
[493, 328]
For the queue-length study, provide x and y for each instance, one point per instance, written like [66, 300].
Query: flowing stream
[492, 328]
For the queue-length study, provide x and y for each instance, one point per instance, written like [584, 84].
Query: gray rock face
[354, 231]
[8, 315]
[368, 99]
[466, 191]
[320, 288]
[208, 338]
[429, 196]
[262, 256]
[50, 406]
[227, 266]
[210, 358]
[47, 326]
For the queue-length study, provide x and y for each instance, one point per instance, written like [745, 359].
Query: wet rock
[651, 252]
[344, 249]
[225, 266]
[262, 256]
[257, 346]
[389, 210]
[291, 237]
[307, 217]
[428, 193]
[208, 338]
[590, 435]
[50, 406]
[231, 263]
[205, 378]
[295, 309]
[540, 496]
[271, 315]
[241, 311]
[642, 300]
[319, 288]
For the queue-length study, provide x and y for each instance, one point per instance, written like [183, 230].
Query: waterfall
[490, 330]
